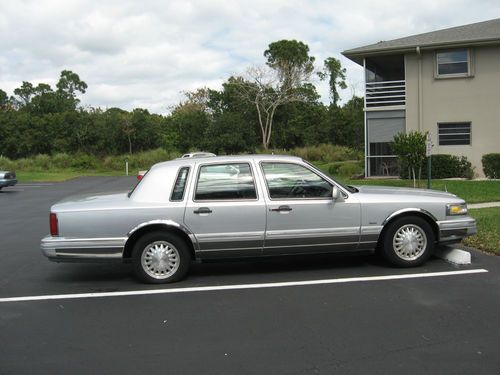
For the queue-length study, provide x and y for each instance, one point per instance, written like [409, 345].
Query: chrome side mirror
[336, 194]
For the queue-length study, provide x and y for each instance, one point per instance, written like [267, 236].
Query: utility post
[428, 153]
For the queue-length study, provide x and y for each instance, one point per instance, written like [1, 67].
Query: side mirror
[336, 194]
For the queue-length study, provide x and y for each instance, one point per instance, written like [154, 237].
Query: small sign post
[428, 153]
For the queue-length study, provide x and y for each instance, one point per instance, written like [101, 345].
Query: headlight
[456, 209]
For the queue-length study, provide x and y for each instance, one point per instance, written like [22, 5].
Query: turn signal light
[54, 225]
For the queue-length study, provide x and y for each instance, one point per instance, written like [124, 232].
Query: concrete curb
[455, 256]
[483, 205]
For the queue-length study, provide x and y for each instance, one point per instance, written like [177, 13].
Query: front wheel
[408, 242]
[160, 257]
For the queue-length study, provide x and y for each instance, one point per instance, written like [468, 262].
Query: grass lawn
[471, 191]
[488, 234]
[58, 176]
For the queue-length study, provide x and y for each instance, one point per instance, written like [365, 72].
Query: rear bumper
[455, 230]
[60, 249]
[9, 182]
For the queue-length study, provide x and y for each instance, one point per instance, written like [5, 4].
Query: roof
[485, 32]
[224, 159]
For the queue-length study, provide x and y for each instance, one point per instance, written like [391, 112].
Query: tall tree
[69, 85]
[289, 68]
[335, 74]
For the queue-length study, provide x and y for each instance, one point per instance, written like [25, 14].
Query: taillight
[54, 227]
[140, 176]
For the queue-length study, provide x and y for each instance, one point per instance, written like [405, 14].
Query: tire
[160, 257]
[408, 242]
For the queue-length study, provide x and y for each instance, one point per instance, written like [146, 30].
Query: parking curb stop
[455, 256]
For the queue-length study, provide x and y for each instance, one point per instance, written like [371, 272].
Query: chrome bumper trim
[457, 229]
[61, 249]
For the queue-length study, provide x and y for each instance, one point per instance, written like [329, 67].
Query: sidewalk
[483, 205]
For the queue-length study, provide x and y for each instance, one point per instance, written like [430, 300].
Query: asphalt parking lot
[316, 315]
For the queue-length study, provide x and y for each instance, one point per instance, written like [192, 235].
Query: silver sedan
[249, 206]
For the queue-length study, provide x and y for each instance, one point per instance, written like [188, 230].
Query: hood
[388, 190]
[91, 201]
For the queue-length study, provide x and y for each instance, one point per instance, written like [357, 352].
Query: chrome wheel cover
[409, 242]
[160, 259]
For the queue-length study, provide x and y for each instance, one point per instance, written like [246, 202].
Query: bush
[85, 161]
[445, 166]
[491, 165]
[62, 160]
[325, 153]
[346, 169]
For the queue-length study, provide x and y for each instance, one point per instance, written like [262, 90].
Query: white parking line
[240, 286]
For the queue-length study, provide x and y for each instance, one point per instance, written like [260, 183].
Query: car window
[225, 181]
[180, 185]
[286, 180]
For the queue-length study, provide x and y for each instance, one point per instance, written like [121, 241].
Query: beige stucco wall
[475, 99]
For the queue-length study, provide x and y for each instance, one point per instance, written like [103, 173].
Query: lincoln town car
[195, 209]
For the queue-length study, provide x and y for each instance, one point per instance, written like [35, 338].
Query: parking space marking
[240, 286]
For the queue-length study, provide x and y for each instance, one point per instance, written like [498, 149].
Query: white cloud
[143, 54]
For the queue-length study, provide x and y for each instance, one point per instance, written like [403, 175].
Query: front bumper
[60, 249]
[457, 229]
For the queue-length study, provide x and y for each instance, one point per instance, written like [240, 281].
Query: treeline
[48, 120]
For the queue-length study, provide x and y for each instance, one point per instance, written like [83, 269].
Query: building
[444, 82]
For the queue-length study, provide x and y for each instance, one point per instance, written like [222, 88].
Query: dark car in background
[7, 178]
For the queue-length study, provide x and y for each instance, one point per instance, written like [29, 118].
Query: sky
[145, 54]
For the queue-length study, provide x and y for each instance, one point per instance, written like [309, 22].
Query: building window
[456, 133]
[455, 63]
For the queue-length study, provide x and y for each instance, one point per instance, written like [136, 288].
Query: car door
[225, 212]
[302, 217]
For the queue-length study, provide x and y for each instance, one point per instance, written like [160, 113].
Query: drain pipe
[420, 90]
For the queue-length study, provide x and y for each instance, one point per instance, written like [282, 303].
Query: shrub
[446, 166]
[85, 161]
[349, 170]
[325, 153]
[491, 165]
[346, 169]
[7, 164]
[62, 160]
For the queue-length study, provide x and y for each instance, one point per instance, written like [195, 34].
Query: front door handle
[203, 210]
[281, 209]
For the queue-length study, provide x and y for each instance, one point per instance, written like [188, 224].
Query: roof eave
[358, 56]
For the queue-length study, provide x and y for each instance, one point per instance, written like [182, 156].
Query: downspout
[420, 91]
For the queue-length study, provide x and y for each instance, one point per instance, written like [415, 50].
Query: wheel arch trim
[167, 224]
[409, 211]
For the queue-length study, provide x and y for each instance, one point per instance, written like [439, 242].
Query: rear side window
[180, 185]
[225, 181]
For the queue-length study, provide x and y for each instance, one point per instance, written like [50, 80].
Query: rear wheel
[160, 257]
[408, 242]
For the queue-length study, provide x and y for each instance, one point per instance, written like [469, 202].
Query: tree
[289, 68]
[336, 77]
[410, 149]
[24, 94]
[4, 100]
[67, 87]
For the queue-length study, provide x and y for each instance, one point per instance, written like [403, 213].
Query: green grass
[488, 230]
[471, 191]
[58, 176]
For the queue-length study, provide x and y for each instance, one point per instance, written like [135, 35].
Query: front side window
[457, 133]
[180, 185]
[225, 181]
[286, 180]
[453, 63]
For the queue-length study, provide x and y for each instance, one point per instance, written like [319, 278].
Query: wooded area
[271, 106]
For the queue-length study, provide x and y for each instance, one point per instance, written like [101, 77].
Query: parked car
[7, 178]
[249, 206]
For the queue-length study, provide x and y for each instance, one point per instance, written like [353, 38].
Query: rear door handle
[203, 210]
[281, 209]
